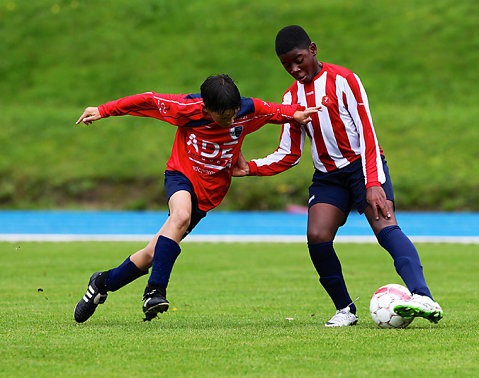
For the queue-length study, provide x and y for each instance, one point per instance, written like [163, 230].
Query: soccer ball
[382, 305]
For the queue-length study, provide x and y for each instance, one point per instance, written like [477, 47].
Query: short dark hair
[220, 93]
[290, 38]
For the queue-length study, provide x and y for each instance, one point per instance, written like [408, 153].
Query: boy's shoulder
[292, 88]
[338, 70]
[247, 107]
[191, 96]
[331, 69]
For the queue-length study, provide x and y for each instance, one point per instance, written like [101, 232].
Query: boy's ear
[206, 112]
[313, 49]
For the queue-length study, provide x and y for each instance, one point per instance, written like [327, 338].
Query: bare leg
[323, 222]
[174, 228]
[378, 225]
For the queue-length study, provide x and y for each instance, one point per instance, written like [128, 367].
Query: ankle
[100, 282]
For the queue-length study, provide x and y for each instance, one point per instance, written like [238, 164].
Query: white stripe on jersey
[287, 98]
[218, 167]
[314, 149]
[326, 126]
[177, 102]
[353, 109]
[379, 163]
[345, 116]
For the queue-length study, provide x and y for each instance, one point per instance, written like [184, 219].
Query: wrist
[372, 184]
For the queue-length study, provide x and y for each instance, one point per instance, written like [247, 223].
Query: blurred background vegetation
[418, 61]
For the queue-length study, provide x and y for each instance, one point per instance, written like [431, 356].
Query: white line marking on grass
[225, 238]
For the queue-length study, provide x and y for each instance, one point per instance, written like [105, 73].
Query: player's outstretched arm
[304, 116]
[89, 115]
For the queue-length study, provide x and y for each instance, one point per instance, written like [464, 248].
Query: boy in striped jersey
[350, 170]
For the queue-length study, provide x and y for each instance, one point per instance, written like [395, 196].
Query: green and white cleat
[419, 306]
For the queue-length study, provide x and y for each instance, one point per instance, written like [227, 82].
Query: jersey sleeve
[287, 155]
[289, 151]
[269, 112]
[173, 109]
[277, 113]
[358, 107]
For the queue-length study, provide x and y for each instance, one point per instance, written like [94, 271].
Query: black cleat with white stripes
[92, 298]
[154, 301]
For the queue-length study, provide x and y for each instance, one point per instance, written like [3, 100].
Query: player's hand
[377, 200]
[304, 116]
[89, 115]
[241, 168]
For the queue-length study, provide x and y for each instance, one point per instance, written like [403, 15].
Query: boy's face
[301, 63]
[224, 119]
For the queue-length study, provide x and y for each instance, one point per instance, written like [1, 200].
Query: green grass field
[417, 61]
[228, 314]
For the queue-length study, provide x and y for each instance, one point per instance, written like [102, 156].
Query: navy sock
[166, 252]
[122, 275]
[327, 265]
[406, 259]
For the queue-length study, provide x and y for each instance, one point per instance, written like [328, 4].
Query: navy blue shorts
[345, 187]
[176, 181]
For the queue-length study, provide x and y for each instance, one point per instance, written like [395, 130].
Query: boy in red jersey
[211, 128]
[350, 169]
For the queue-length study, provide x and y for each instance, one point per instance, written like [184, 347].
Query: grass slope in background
[230, 305]
[416, 60]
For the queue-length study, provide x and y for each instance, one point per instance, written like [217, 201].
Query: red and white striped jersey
[203, 151]
[340, 133]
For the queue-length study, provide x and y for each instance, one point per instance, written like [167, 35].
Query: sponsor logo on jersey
[163, 107]
[236, 132]
[326, 101]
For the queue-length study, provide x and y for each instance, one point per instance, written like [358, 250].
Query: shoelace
[342, 314]
[153, 292]
[339, 316]
[149, 294]
[425, 302]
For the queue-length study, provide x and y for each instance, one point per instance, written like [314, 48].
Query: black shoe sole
[78, 318]
[154, 310]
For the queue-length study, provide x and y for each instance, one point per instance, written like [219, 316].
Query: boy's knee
[319, 236]
[181, 219]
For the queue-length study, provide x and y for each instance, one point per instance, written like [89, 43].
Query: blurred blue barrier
[219, 225]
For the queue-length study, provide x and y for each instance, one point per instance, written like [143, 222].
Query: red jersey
[203, 151]
[340, 134]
